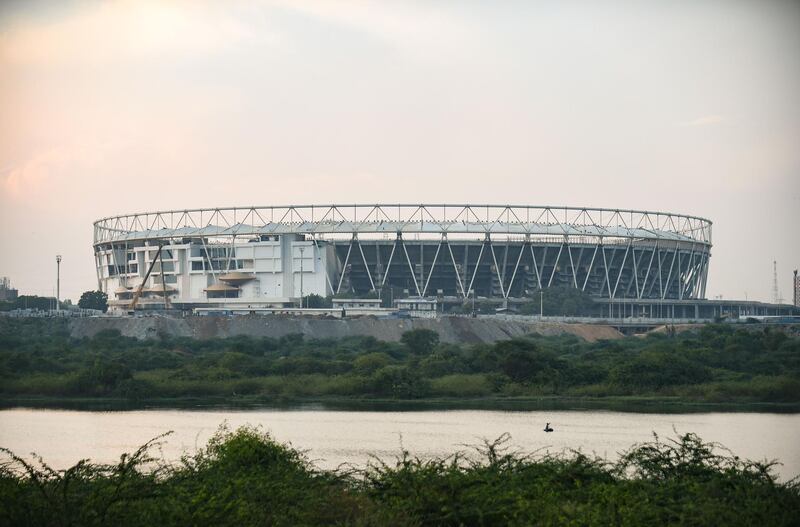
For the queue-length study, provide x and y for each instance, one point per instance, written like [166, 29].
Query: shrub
[245, 477]
[461, 385]
[420, 341]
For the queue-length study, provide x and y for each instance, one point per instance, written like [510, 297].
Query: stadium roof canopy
[400, 219]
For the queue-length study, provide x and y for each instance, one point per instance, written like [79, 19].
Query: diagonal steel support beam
[605, 269]
[475, 271]
[344, 266]
[433, 264]
[572, 266]
[411, 268]
[705, 277]
[589, 271]
[536, 268]
[516, 266]
[635, 274]
[389, 263]
[497, 270]
[555, 265]
[647, 274]
[364, 259]
[208, 259]
[455, 268]
[669, 274]
[621, 269]
[690, 276]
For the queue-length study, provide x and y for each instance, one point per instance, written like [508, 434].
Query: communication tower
[776, 294]
[796, 288]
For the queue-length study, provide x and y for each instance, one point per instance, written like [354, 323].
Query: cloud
[421, 29]
[37, 175]
[119, 30]
[706, 120]
[107, 32]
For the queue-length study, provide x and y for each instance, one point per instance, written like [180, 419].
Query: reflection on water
[331, 438]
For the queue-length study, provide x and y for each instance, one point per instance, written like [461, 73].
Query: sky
[118, 106]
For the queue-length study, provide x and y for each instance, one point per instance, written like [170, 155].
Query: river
[62, 437]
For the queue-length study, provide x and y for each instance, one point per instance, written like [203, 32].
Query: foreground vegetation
[246, 478]
[717, 363]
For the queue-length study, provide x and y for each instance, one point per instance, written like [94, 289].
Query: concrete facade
[263, 272]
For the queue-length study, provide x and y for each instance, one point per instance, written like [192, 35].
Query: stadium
[272, 256]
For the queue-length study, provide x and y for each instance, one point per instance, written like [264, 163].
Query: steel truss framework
[489, 250]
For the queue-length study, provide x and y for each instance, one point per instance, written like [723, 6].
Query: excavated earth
[450, 329]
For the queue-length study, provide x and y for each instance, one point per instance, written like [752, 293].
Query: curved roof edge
[527, 220]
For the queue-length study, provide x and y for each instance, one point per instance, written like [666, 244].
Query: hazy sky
[108, 107]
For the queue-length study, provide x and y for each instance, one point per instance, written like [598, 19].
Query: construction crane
[138, 292]
[163, 282]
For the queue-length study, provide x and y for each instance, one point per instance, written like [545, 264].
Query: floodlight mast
[58, 282]
[301, 276]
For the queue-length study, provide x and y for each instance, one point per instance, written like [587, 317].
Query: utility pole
[472, 293]
[301, 276]
[795, 287]
[58, 282]
[541, 304]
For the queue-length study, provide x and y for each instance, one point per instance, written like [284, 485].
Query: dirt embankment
[792, 330]
[450, 329]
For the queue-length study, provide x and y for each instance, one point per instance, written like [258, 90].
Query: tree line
[714, 363]
[89, 300]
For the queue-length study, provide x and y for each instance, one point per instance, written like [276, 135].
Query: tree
[42, 303]
[560, 301]
[314, 301]
[420, 341]
[94, 300]
[370, 362]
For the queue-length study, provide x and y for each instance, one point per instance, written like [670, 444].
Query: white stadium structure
[266, 256]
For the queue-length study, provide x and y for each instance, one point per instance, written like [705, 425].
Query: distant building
[356, 303]
[416, 304]
[7, 293]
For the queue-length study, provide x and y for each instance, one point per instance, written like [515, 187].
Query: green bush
[461, 385]
[370, 362]
[245, 478]
[420, 341]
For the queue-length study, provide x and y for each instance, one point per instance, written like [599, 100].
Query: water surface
[62, 437]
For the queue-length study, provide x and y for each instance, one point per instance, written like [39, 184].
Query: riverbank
[633, 404]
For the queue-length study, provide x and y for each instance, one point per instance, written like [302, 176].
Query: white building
[357, 303]
[265, 271]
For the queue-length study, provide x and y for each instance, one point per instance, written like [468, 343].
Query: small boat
[547, 428]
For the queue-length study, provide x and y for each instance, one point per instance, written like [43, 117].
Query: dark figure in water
[547, 428]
